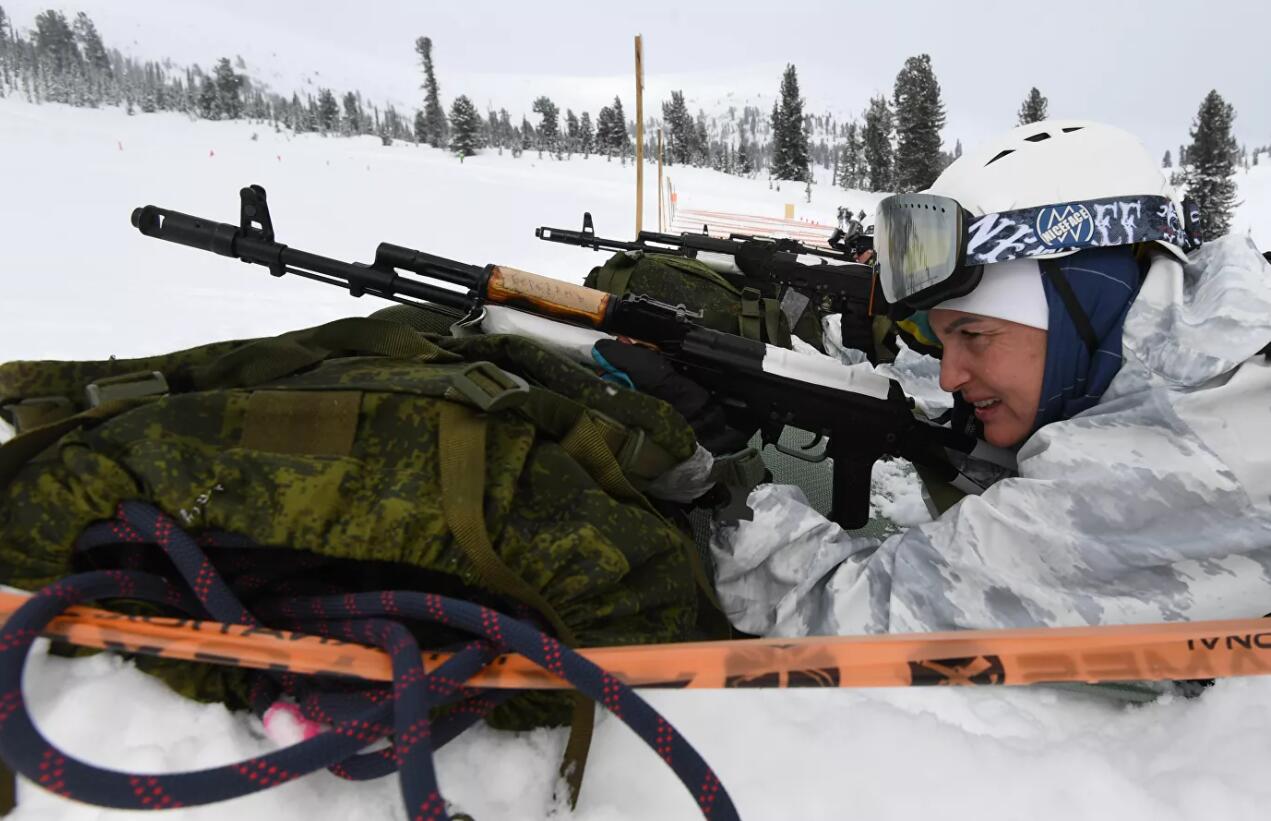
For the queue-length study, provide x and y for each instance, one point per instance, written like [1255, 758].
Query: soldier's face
[997, 366]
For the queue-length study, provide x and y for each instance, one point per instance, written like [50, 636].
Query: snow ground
[79, 282]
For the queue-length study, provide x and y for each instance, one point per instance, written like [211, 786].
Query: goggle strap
[1077, 226]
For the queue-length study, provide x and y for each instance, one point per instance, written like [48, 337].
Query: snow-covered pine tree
[465, 127]
[572, 137]
[353, 114]
[919, 118]
[680, 134]
[1165, 161]
[586, 136]
[430, 125]
[511, 134]
[744, 164]
[8, 53]
[1212, 161]
[328, 112]
[97, 66]
[701, 142]
[776, 126]
[209, 107]
[876, 144]
[851, 162]
[621, 139]
[150, 85]
[528, 137]
[5, 78]
[492, 136]
[59, 62]
[604, 131]
[1033, 110]
[228, 90]
[789, 139]
[549, 125]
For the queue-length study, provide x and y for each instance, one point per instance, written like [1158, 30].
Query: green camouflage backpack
[754, 311]
[364, 451]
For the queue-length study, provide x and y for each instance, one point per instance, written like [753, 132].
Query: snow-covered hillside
[81, 172]
[79, 281]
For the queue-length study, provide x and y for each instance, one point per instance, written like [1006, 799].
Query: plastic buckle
[629, 454]
[489, 387]
[126, 386]
[744, 469]
[36, 411]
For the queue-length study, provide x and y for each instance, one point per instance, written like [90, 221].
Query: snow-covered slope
[89, 285]
[78, 281]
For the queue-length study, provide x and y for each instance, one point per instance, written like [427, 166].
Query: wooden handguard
[559, 300]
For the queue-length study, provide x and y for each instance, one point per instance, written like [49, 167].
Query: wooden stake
[661, 218]
[639, 150]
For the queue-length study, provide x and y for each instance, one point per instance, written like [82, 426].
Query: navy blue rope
[357, 717]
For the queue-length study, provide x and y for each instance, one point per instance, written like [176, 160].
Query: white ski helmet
[1055, 161]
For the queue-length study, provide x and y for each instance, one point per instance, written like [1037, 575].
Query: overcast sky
[1142, 65]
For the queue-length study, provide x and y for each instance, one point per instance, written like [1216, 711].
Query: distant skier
[1133, 377]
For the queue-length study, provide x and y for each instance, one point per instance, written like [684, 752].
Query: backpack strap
[462, 439]
[264, 360]
[778, 332]
[749, 321]
[942, 494]
[613, 279]
[77, 385]
[26, 446]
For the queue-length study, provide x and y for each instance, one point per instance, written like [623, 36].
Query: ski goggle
[931, 249]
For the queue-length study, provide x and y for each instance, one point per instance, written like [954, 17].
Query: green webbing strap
[778, 334]
[267, 359]
[943, 494]
[638, 455]
[744, 469]
[750, 318]
[614, 280]
[462, 438]
[8, 789]
[423, 317]
[1130, 692]
[26, 446]
[586, 444]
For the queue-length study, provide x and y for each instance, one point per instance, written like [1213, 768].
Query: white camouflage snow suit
[1153, 505]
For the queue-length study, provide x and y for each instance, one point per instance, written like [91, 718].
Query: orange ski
[1145, 652]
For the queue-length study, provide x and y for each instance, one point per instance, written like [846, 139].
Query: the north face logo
[1064, 226]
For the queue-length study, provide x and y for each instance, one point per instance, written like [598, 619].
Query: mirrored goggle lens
[917, 238]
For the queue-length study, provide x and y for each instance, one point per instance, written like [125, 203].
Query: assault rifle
[796, 273]
[864, 415]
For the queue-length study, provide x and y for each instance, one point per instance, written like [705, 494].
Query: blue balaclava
[1087, 295]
